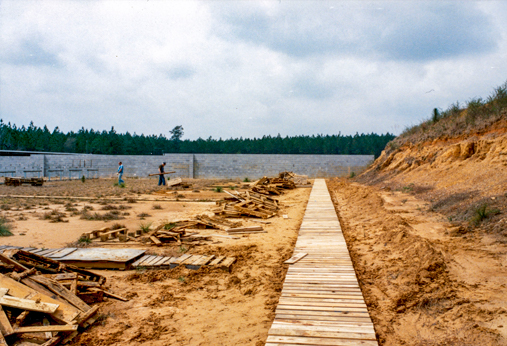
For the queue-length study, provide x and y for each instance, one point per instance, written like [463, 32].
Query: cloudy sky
[245, 68]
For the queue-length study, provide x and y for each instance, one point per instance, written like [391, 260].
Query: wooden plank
[282, 340]
[155, 241]
[216, 261]
[146, 261]
[115, 296]
[227, 262]
[347, 326]
[26, 304]
[10, 261]
[344, 318]
[83, 318]
[318, 303]
[204, 260]
[60, 290]
[47, 251]
[301, 311]
[296, 258]
[320, 332]
[62, 276]
[160, 261]
[345, 308]
[166, 261]
[245, 229]
[46, 323]
[54, 328]
[248, 232]
[53, 341]
[225, 236]
[5, 325]
[142, 259]
[149, 262]
[37, 251]
[62, 253]
[20, 319]
[180, 259]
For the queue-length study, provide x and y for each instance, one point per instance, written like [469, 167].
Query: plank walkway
[321, 302]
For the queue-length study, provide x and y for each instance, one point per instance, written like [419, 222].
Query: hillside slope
[426, 226]
[456, 175]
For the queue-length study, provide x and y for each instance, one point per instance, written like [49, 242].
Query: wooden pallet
[190, 261]
[321, 302]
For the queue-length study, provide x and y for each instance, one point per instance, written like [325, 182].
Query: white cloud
[231, 69]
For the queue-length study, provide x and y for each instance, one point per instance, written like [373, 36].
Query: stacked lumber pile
[274, 186]
[178, 232]
[247, 203]
[19, 181]
[107, 234]
[43, 301]
[296, 178]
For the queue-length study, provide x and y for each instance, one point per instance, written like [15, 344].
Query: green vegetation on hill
[457, 120]
[34, 138]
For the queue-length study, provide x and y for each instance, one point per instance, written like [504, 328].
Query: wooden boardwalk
[321, 302]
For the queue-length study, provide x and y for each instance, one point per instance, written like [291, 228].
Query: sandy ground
[422, 285]
[167, 307]
[432, 272]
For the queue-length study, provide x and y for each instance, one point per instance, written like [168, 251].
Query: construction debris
[178, 231]
[89, 258]
[245, 230]
[173, 182]
[19, 181]
[247, 203]
[190, 261]
[57, 295]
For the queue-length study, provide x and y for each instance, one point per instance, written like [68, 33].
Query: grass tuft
[145, 227]
[482, 213]
[5, 228]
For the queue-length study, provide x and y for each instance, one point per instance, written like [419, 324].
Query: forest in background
[33, 138]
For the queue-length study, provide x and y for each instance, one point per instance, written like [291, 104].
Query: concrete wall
[256, 166]
[185, 165]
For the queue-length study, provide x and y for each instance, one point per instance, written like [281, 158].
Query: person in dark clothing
[161, 179]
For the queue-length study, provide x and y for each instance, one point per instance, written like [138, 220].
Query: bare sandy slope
[178, 306]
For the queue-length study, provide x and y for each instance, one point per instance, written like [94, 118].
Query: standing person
[161, 179]
[120, 173]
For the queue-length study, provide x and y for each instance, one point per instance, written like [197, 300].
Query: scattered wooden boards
[190, 261]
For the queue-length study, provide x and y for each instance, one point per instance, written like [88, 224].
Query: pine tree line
[33, 138]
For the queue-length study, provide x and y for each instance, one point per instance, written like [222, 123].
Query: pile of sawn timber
[177, 232]
[45, 302]
[259, 200]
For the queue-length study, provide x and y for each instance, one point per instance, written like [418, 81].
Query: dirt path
[423, 284]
